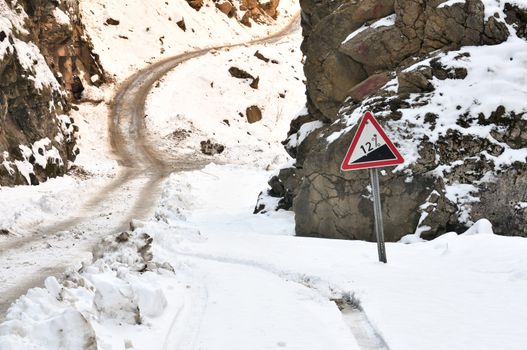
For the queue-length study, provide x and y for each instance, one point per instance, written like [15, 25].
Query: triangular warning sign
[371, 147]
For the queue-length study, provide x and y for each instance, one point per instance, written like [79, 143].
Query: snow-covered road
[264, 311]
[440, 294]
[108, 208]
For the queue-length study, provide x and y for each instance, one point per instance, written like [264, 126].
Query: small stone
[253, 114]
[258, 55]
[112, 22]
[122, 237]
[226, 8]
[245, 19]
[240, 73]
[195, 4]
[209, 148]
[255, 82]
[181, 24]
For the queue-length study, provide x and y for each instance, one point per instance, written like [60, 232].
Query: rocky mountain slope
[447, 80]
[45, 59]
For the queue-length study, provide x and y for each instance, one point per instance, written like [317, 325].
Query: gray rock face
[518, 17]
[457, 174]
[330, 73]
[25, 117]
[66, 47]
[335, 65]
[508, 217]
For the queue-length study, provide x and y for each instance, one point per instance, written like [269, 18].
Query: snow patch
[306, 129]
[450, 3]
[61, 16]
[480, 227]
[463, 195]
[383, 22]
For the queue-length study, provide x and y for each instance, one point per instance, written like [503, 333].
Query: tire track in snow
[185, 328]
[363, 331]
[258, 308]
[366, 336]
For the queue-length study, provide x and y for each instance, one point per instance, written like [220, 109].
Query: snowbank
[120, 295]
[48, 202]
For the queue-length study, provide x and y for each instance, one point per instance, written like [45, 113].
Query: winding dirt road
[132, 194]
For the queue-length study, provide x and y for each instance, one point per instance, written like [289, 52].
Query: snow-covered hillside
[201, 101]
[149, 30]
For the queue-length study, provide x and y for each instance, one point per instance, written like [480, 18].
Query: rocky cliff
[45, 59]
[446, 79]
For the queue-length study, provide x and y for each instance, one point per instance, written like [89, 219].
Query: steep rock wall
[56, 28]
[44, 59]
[444, 79]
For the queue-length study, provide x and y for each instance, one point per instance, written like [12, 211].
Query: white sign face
[369, 141]
[371, 147]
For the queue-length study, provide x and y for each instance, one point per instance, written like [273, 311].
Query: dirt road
[132, 194]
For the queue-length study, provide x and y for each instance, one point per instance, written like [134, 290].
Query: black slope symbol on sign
[381, 153]
[370, 147]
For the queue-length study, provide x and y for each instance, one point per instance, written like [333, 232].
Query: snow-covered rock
[454, 105]
[43, 56]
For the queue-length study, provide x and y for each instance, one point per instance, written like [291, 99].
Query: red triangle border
[368, 116]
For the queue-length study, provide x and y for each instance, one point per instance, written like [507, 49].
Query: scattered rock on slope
[181, 24]
[112, 21]
[253, 114]
[241, 74]
[195, 4]
[258, 12]
[210, 148]
[259, 55]
[227, 8]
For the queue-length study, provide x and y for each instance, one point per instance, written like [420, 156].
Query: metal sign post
[377, 212]
[370, 149]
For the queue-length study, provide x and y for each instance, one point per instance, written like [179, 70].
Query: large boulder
[429, 70]
[330, 73]
[337, 61]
